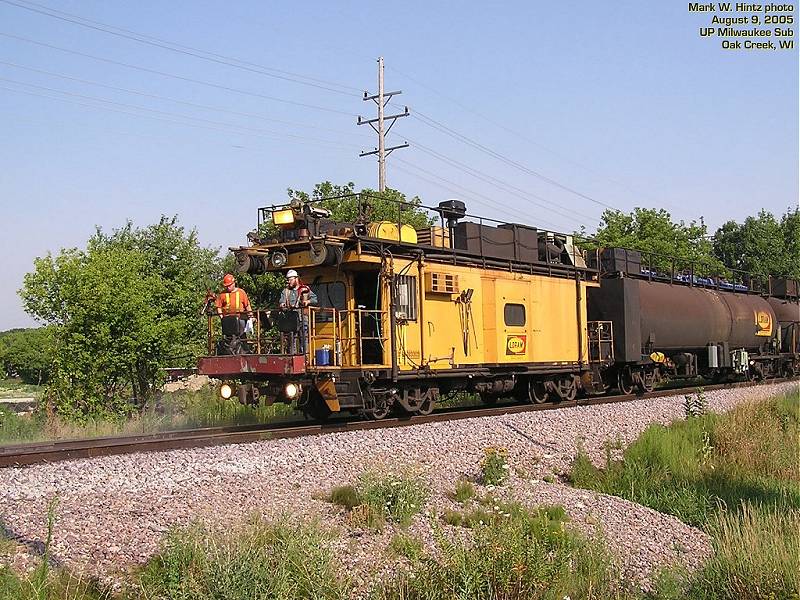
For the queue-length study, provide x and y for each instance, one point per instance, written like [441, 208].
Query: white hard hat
[291, 273]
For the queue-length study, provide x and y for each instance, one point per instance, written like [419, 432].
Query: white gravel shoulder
[113, 511]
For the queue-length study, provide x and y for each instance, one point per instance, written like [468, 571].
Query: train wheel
[648, 380]
[625, 382]
[426, 407]
[537, 392]
[489, 399]
[377, 413]
[567, 389]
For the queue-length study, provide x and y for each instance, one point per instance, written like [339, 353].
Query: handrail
[345, 334]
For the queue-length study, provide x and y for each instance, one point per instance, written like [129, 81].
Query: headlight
[292, 390]
[226, 391]
[278, 259]
[283, 217]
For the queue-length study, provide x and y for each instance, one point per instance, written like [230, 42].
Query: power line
[459, 189]
[507, 187]
[174, 76]
[178, 48]
[209, 124]
[516, 133]
[381, 99]
[168, 99]
[477, 145]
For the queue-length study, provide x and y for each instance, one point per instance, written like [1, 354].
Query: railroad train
[406, 315]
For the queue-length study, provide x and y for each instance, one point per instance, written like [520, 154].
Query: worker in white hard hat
[296, 296]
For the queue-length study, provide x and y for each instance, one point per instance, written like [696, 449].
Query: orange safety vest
[233, 302]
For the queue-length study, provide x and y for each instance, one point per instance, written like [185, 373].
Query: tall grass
[280, 561]
[173, 411]
[693, 467]
[736, 475]
[517, 555]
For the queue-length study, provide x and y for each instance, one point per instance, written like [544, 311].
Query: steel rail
[18, 455]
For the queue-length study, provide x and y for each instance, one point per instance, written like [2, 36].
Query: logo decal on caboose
[764, 323]
[516, 344]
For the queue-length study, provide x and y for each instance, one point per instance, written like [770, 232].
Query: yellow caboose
[405, 315]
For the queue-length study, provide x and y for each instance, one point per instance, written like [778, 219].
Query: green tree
[654, 232]
[264, 289]
[761, 244]
[790, 224]
[121, 311]
[389, 205]
[27, 354]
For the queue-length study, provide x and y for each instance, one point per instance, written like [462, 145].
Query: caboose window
[329, 295]
[514, 315]
[406, 297]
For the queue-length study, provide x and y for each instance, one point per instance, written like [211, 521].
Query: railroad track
[44, 452]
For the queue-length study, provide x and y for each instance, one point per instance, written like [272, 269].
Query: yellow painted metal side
[456, 334]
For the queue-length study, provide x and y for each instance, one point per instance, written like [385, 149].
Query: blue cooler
[322, 357]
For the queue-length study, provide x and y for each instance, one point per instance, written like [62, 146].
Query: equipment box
[785, 288]
[618, 260]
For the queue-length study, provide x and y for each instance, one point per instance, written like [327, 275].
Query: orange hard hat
[228, 280]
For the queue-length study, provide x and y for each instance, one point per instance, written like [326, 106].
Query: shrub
[494, 466]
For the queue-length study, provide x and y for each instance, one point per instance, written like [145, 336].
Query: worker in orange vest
[234, 300]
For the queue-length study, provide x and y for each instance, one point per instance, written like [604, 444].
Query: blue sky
[619, 103]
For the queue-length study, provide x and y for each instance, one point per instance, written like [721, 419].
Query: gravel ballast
[113, 511]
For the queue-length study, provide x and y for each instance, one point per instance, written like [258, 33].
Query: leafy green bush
[494, 466]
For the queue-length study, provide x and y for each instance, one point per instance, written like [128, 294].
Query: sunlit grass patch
[377, 498]
[257, 560]
[514, 554]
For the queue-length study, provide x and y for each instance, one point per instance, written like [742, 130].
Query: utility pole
[382, 99]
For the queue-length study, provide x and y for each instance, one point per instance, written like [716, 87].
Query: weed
[346, 496]
[522, 555]
[453, 517]
[736, 475]
[464, 491]
[695, 406]
[257, 560]
[46, 583]
[756, 555]
[407, 546]
[377, 499]
[494, 466]
[398, 498]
